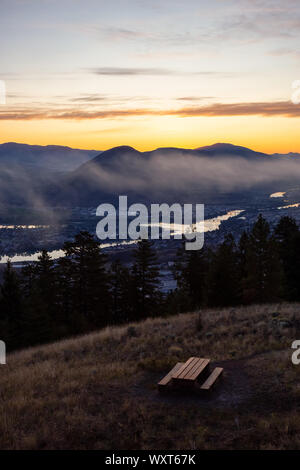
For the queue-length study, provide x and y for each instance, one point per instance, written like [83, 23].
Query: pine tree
[90, 281]
[28, 280]
[287, 236]
[190, 271]
[39, 293]
[145, 278]
[11, 308]
[244, 260]
[223, 276]
[46, 282]
[121, 299]
[263, 273]
[67, 319]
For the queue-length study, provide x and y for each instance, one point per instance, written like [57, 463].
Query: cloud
[90, 98]
[194, 98]
[279, 108]
[119, 34]
[242, 21]
[157, 38]
[266, 109]
[130, 71]
[284, 51]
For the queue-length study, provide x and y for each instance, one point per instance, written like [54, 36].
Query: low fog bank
[163, 175]
[176, 175]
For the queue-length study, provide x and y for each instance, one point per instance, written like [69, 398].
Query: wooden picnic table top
[191, 369]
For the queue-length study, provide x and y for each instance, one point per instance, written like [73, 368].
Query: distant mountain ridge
[52, 157]
[218, 149]
[64, 158]
[229, 149]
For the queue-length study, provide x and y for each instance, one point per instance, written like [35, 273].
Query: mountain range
[51, 157]
[60, 175]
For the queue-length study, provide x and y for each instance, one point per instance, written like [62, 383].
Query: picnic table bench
[192, 374]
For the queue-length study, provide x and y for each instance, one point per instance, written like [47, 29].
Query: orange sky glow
[95, 75]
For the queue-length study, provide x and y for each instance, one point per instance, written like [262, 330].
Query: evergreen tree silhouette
[11, 308]
[190, 271]
[121, 293]
[68, 320]
[223, 276]
[145, 278]
[89, 279]
[263, 277]
[287, 236]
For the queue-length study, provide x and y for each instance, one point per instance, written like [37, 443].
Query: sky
[96, 74]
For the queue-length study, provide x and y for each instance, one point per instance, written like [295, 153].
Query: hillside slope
[99, 391]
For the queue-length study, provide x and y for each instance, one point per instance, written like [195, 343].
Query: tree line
[77, 293]
[84, 291]
[262, 266]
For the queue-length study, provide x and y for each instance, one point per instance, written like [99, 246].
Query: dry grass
[98, 391]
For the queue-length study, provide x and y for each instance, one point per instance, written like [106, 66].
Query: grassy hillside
[99, 391]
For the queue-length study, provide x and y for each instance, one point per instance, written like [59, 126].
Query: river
[209, 226]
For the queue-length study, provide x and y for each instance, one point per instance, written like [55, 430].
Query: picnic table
[192, 374]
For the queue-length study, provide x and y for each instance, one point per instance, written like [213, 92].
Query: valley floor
[99, 391]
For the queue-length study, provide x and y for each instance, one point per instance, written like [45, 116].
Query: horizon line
[202, 147]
